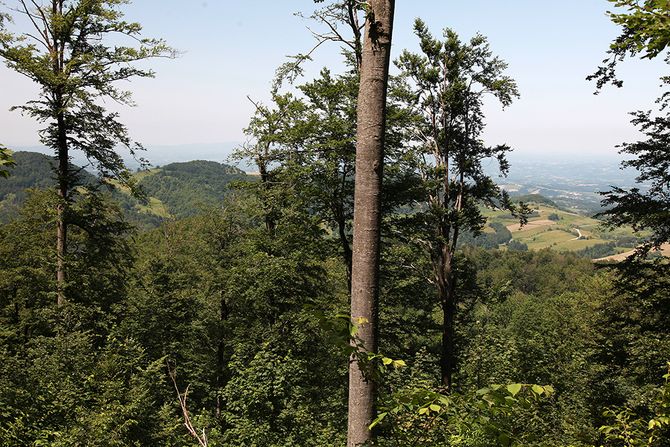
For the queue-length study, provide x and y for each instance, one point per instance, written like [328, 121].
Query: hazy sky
[231, 49]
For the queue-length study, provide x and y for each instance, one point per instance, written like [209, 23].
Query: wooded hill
[175, 190]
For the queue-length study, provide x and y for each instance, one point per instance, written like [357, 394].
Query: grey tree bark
[371, 114]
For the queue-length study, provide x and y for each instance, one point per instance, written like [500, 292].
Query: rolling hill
[175, 190]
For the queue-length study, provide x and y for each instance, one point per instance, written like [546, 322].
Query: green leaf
[377, 420]
[514, 388]
[399, 363]
[435, 407]
[504, 439]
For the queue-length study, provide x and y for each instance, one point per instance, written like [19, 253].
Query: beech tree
[370, 130]
[69, 53]
[445, 88]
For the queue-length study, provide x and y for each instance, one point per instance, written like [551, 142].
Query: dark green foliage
[501, 236]
[553, 216]
[645, 209]
[632, 430]
[598, 251]
[98, 397]
[31, 170]
[514, 245]
[634, 342]
[644, 32]
[233, 309]
[535, 198]
[185, 189]
[241, 295]
[66, 378]
[239, 315]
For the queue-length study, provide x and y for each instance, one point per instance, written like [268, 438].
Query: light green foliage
[629, 430]
[6, 161]
[645, 26]
[419, 416]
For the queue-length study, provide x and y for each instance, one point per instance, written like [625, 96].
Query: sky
[230, 50]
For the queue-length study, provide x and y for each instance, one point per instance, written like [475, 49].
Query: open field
[565, 231]
[154, 206]
[665, 251]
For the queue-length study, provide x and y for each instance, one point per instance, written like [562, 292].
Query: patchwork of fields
[560, 230]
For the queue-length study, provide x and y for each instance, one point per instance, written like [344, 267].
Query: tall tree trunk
[371, 114]
[61, 210]
[57, 50]
[221, 364]
[445, 279]
[447, 300]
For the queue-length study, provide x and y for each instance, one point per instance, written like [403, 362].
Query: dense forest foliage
[194, 304]
[252, 325]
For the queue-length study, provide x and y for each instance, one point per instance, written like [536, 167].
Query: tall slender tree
[68, 52]
[445, 88]
[370, 132]
[645, 33]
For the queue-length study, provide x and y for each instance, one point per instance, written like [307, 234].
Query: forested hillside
[374, 284]
[173, 191]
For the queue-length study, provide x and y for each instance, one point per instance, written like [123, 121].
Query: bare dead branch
[183, 403]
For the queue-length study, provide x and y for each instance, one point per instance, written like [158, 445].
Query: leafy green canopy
[6, 161]
[444, 87]
[69, 55]
[646, 31]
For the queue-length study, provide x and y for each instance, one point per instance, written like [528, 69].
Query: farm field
[560, 230]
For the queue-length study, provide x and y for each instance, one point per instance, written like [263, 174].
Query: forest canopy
[370, 283]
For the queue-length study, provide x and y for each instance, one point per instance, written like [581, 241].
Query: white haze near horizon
[196, 108]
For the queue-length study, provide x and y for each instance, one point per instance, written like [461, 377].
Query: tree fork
[371, 114]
